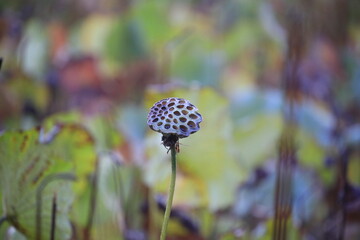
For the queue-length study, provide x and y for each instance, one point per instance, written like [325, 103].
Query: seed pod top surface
[174, 116]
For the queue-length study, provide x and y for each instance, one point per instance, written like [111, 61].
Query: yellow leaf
[208, 173]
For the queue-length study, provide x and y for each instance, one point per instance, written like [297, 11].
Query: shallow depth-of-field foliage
[278, 86]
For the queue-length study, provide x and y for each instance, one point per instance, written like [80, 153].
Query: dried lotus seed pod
[174, 116]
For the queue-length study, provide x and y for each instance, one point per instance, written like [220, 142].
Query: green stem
[171, 193]
[39, 190]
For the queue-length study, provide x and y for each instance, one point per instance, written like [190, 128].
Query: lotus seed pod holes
[174, 116]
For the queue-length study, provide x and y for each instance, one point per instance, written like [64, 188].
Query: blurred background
[277, 83]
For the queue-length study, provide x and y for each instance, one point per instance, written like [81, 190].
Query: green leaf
[92, 33]
[23, 89]
[102, 128]
[311, 154]
[29, 159]
[152, 18]
[354, 168]
[125, 42]
[257, 138]
[196, 59]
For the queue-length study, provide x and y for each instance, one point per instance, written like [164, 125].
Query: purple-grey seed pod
[174, 116]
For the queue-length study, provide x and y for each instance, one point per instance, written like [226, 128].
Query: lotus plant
[175, 118]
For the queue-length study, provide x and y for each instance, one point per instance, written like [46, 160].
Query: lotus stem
[171, 193]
